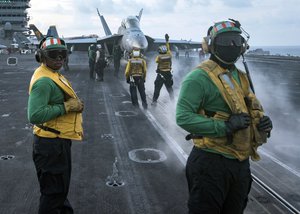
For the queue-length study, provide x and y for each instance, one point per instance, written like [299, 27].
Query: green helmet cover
[53, 43]
[222, 27]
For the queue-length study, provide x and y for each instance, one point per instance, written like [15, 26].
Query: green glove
[73, 105]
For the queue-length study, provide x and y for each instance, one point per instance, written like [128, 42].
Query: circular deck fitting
[125, 113]
[147, 155]
[107, 136]
[117, 95]
[7, 157]
[115, 183]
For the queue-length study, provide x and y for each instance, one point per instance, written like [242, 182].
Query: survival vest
[67, 126]
[136, 67]
[164, 62]
[239, 99]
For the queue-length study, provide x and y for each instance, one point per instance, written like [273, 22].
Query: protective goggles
[57, 55]
[229, 40]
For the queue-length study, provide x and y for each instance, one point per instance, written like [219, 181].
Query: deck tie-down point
[114, 180]
[7, 157]
[147, 155]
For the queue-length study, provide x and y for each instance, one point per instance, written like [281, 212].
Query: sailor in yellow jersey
[55, 110]
[164, 71]
[226, 122]
[135, 74]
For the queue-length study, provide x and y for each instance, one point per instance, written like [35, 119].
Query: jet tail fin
[36, 32]
[140, 15]
[52, 31]
[104, 24]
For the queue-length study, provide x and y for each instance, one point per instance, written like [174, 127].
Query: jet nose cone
[141, 43]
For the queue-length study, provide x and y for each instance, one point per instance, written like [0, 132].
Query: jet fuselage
[133, 37]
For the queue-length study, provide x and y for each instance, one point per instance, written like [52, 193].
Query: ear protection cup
[39, 52]
[205, 44]
[38, 55]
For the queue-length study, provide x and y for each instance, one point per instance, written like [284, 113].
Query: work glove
[73, 105]
[265, 124]
[237, 122]
[167, 37]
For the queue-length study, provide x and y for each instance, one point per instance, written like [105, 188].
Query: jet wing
[109, 42]
[81, 41]
[180, 44]
[109, 39]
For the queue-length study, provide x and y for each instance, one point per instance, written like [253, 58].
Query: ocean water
[280, 50]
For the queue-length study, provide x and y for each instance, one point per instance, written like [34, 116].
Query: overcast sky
[269, 22]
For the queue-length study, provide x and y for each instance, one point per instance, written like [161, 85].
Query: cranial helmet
[225, 42]
[51, 43]
[136, 53]
[162, 49]
[51, 47]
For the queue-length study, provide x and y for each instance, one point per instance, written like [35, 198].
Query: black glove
[237, 122]
[265, 124]
[167, 37]
[128, 80]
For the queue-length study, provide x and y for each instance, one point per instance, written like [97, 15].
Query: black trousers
[117, 67]
[100, 71]
[163, 79]
[217, 185]
[52, 160]
[92, 68]
[140, 85]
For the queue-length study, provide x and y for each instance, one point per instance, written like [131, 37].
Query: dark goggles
[229, 40]
[57, 55]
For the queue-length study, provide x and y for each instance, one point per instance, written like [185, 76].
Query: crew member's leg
[209, 182]
[101, 73]
[133, 93]
[52, 159]
[237, 197]
[117, 67]
[141, 88]
[158, 83]
[169, 85]
[92, 68]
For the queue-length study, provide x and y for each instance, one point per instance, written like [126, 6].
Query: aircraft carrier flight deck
[132, 161]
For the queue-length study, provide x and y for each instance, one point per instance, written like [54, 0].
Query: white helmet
[136, 53]
[99, 46]
[162, 49]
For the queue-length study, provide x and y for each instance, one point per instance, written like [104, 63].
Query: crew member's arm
[193, 96]
[127, 70]
[97, 55]
[145, 69]
[46, 101]
[168, 44]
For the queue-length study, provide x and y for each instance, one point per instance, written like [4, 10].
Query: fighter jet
[73, 43]
[131, 36]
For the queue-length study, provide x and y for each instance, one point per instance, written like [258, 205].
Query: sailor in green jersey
[226, 122]
[55, 110]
